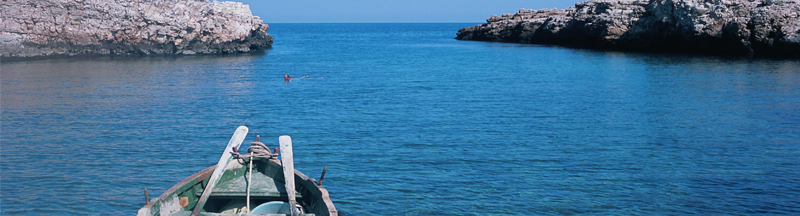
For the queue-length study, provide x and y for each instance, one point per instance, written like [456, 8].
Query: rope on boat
[259, 150]
[256, 149]
[249, 182]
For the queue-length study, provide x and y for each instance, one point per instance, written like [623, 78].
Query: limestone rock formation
[738, 27]
[30, 28]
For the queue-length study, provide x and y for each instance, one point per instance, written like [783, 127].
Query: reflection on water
[410, 121]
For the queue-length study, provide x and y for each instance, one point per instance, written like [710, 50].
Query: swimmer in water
[287, 78]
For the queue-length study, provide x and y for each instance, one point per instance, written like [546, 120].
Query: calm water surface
[412, 122]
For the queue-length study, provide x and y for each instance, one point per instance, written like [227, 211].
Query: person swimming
[286, 78]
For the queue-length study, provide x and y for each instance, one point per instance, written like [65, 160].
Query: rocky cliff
[725, 27]
[30, 28]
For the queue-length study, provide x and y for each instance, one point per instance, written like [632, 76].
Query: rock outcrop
[721, 27]
[31, 28]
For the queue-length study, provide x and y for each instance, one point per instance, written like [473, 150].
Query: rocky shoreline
[763, 28]
[40, 28]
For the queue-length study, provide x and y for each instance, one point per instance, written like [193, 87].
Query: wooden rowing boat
[265, 184]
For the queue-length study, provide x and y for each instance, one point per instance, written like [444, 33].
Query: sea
[410, 121]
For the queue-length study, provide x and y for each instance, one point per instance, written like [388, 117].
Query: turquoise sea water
[410, 121]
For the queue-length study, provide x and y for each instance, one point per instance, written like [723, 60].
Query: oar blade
[236, 141]
[287, 160]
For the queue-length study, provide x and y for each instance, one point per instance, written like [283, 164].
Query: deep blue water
[410, 121]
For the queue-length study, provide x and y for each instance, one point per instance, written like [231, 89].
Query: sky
[397, 11]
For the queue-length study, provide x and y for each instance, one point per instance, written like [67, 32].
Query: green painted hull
[231, 191]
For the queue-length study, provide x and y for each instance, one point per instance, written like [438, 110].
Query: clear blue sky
[370, 11]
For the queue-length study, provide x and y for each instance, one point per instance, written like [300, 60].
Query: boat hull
[267, 185]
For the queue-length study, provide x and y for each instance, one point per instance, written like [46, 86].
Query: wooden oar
[236, 140]
[287, 161]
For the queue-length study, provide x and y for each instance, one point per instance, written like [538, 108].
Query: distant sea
[410, 121]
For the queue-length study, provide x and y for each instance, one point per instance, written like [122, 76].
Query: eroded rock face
[30, 28]
[740, 27]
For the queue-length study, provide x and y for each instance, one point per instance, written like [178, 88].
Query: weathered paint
[170, 206]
